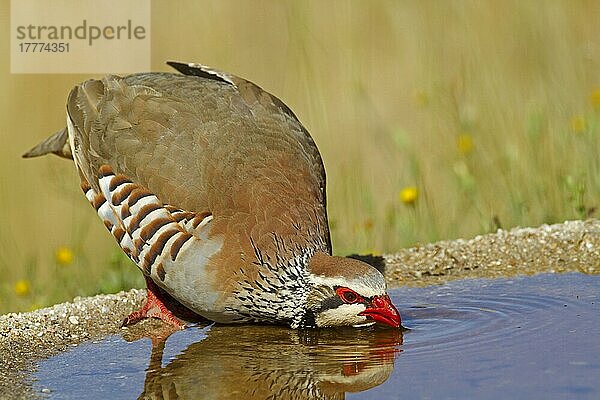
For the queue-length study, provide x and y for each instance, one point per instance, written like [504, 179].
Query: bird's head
[347, 292]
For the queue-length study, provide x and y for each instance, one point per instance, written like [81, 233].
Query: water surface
[532, 337]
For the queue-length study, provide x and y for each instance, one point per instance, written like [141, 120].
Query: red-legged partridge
[216, 191]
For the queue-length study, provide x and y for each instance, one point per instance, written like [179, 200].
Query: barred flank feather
[141, 224]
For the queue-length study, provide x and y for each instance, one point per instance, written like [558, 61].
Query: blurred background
[435, 119]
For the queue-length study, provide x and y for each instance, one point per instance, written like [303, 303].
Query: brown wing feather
[202, 145]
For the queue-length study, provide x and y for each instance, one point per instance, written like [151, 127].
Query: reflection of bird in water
[265, 362]
[216, 191]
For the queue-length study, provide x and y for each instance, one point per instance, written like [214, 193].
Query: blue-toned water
[529, 337]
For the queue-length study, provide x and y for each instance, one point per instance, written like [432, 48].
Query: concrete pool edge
[573, 246]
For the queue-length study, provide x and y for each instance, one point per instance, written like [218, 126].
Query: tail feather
[56, 144]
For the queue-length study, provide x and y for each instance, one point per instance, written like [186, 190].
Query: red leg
[155, 307]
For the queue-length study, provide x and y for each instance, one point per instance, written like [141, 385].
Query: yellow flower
[22, 287]
[63, 255]
[409, 195]
[578, 124]
[370, 251]
[464, 143]
[420, 98]
[595, 98]
[368, 224]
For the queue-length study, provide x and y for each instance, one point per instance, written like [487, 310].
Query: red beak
[383, 311]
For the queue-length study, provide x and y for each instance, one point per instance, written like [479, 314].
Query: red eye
[349, 296]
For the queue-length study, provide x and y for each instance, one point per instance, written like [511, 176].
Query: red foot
[154, 307]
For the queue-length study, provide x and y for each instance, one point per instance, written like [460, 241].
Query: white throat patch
[344, 315]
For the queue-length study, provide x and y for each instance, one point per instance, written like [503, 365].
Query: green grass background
[386, 88]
